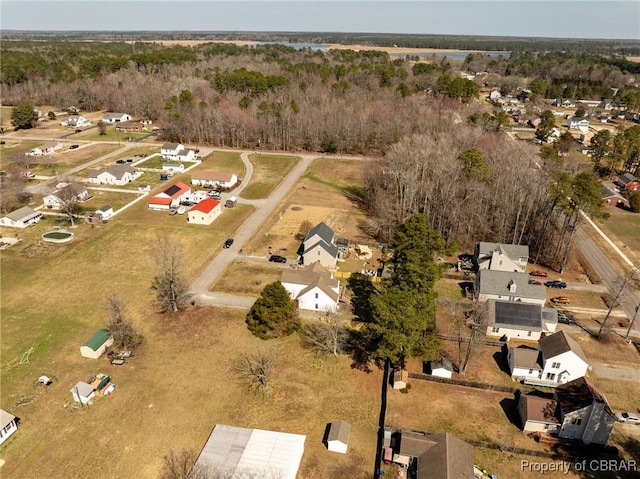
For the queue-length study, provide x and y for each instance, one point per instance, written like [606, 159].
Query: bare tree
[120, 326]
[328, 337]
[180, 465]
[256, 370]
[68, 199]
[102, 128]
[170, 285]
[477, 320]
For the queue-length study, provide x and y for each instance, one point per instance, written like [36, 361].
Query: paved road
[610, 276]
[248, 230]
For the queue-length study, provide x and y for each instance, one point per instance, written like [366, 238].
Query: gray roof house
[315, 288]
[508, 286]
[501, 257]
[21, 218]
[434, 456]
[519, 320]
[319, 245]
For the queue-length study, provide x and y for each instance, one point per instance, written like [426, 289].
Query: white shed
[96, 345]
[82, 392]
[441, 368]
[338, 437]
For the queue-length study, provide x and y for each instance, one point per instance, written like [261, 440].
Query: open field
[327, 192]
[142, 151]
[15, 148]
[224, 161]
[167, 398]
[247, 278]
[268, 172]
[157, 162]
[111, 135]
[102, 198]
[623, 228]
[64, 159]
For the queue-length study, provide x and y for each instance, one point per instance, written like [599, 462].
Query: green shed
[96, 345]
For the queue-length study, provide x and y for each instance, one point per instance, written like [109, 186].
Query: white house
[442, 368]
[8, 425]
[205, 212]
[579, 123]
[319, 245]
[186, 155]
[172, 168]
[21, 218]
[501, 257]
[169, 151]
[114, 175]
[82, 392]
[558, 360]
[508, 286]
[564, 102]
[338, 437]
[47, 149]
[519, 320]
[110, 117]
[97, 344]
[170, 197]
[214, 179]
[69, 192]
[585, 413]
[75, 121]
[315, 288]
[105, 212]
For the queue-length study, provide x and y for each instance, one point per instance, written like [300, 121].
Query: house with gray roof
[508, 286]
[21, 218]
[114, 175]
[113, 117]
[70, 192]
[432, 456]
[315, 288]
[319, 246]
[519, 320]
[501, 257]
[628, 182]
[558, 360]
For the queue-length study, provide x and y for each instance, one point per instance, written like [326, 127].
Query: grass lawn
[623, 227]
[103, 198]
[224, 160]
[65, 159]
[268, 172]
[112, 135]
[142, 151]
[247, 278]
[14, 148]
[157, 162]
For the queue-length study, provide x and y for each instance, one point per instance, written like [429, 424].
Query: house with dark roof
[432, 456]
[501, 257]
[315, 288]
[558, 360]
[628, 182]
[519, 320]
[610, 197]
[508, 286]
[538, 414]
[585, 413]
[170, 197]
[319, 246]
[114, 175]
[21, 218]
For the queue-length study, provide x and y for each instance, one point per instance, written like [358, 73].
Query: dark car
[564, 318]
[535, 281]
[556, 284]
[541, 274]
[228, 243]
[73, 147]
[121, 162]
[277, 259]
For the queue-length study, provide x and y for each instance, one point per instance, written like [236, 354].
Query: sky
[606, 19]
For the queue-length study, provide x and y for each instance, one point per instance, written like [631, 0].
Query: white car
[628, 418]
[182, 210]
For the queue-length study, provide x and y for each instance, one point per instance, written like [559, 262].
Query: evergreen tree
[274, 314]
[24, 116]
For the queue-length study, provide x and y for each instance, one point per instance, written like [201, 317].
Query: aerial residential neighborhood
[310, 255]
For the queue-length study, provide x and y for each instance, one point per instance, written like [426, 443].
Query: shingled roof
[578, 394]
[441, 456]
[315, 275]
[559, 343]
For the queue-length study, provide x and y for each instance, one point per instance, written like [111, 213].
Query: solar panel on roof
[172, 190]
[518, 314]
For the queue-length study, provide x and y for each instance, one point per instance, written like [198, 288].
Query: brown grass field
[236, 278]
[268, 172]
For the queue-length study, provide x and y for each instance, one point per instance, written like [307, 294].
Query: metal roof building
[237, 452]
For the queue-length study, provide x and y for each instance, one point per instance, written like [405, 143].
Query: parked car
[121, 161]
[627, 417]
[73, 147]
[564, 318]
[182, 210]
[535, 281]
[560, 300]
[228, 243]
[556, 284]
[173, 211]
[275, 258]
[541, 274]
[214, 194]
[187, 203]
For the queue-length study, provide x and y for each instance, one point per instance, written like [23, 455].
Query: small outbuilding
[231, 202]
[338, 437]
[8, 425]
[442, 368]
[96, 345]
[82, 392]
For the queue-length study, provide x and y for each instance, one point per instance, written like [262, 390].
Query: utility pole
[632, 321]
